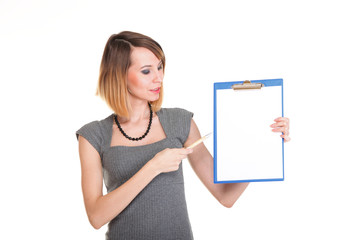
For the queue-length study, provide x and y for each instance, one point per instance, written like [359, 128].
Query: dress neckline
[158, 113]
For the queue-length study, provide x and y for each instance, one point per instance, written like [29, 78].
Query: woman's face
[145, 75]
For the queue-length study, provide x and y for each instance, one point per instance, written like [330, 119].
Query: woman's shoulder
[96, 127]
[175, 112]
[177, 122]
[96, 132]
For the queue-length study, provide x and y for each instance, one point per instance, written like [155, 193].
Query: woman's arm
[202, 163]
[103, 208]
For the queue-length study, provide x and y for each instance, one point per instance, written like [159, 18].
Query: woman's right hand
[169, 159]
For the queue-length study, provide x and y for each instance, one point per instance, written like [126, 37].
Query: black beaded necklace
[139, 138]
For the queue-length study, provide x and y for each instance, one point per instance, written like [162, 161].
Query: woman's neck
[139, 111]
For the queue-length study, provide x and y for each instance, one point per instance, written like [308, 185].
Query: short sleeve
[92, 133]
[179, 122]
[186, 121]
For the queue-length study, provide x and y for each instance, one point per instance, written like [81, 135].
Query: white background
[50, 53]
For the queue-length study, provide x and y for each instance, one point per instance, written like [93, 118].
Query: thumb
[189, 150]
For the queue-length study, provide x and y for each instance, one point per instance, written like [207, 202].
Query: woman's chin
[153, 98]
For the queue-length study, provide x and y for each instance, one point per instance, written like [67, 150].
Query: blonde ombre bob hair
[112, 84]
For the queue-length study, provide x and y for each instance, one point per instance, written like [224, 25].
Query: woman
[138, 150]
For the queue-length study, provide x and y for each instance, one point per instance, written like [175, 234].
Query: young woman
[138, 150]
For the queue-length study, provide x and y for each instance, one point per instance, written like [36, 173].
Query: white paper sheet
[247, 149]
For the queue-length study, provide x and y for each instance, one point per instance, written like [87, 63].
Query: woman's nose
[158, 77]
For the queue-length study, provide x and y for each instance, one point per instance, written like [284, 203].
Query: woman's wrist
[151, 168]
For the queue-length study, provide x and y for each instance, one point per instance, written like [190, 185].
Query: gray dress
[159, 211]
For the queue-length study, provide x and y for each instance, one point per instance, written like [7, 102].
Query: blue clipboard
[245, 148]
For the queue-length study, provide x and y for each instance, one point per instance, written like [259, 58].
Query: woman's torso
[159, 211]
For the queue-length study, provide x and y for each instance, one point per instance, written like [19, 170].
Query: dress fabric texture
[159, 211]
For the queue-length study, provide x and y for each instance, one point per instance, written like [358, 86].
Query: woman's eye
[147, 71]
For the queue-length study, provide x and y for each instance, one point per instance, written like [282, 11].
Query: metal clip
[247, 85]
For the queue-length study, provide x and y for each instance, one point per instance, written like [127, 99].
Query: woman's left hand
[282, 124]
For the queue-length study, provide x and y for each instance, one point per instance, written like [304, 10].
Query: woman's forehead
[143, 56]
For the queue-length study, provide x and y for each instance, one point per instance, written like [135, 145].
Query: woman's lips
[155, 90]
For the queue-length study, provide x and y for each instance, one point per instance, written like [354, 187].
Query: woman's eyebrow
[151, 65]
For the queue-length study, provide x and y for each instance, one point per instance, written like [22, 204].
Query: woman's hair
[112, 84]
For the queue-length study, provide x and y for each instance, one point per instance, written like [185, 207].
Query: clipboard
[245, 148]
